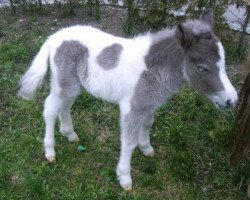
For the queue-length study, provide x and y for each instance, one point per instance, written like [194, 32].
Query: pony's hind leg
[66, 125]
[57, 105]
[70, 61]
[52, 108]
[65, 86]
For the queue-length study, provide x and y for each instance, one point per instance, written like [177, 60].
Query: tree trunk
[240, 143]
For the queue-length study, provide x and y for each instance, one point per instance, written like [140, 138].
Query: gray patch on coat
[162, 77]
[133, 123]
[71, 59]
[109, 56]
[168, 59]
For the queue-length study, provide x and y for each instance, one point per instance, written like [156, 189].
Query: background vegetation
[190, 136]
[145, 14]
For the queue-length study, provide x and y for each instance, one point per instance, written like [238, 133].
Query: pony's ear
[207, 16]
[184, 36]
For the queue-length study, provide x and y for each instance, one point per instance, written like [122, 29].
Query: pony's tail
[33, 77]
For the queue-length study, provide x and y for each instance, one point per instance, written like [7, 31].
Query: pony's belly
[107, 86]
[106, 93]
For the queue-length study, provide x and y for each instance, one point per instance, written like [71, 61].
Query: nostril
[229, 103]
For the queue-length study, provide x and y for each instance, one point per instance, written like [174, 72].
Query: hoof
[74, 138]
[51, 160]
[125, 180]
[128, 188]
[152, 154]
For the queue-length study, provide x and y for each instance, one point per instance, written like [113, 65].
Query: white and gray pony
[139, 74]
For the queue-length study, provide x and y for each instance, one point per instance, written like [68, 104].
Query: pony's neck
[167, 57]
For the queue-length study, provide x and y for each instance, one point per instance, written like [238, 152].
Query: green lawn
[189, 135]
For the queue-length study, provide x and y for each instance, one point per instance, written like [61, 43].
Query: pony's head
[204, 67]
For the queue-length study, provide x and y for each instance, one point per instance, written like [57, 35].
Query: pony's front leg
[143, 138]
[130, 126]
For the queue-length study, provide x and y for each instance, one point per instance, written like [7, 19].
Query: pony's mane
[197, 27]
[162, 34]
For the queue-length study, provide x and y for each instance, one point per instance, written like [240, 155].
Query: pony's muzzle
[228, 104]
[225, 100]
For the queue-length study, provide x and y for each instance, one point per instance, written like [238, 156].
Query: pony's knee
[51, 107]
[48, 115]
[66, 130]
[131, 127]
[148, 122]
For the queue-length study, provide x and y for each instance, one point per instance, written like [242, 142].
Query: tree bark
[240, 142]
[241, 131]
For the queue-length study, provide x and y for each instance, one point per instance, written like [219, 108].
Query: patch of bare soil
[111, 21]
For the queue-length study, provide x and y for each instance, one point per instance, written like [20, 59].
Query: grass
[190, 138]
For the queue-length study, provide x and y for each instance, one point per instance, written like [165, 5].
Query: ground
[190, 136]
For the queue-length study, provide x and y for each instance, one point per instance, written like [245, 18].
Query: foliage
[155, 15]
[142, 15]
[159, 13]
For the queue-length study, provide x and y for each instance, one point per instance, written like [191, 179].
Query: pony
[138, 73]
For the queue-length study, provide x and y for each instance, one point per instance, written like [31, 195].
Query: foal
[139, 74]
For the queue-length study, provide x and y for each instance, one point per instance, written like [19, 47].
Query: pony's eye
[202, 69]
